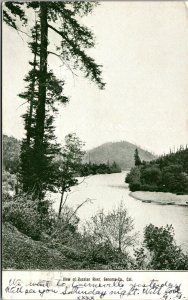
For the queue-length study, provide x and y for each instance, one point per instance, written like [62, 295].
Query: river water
[107, 191]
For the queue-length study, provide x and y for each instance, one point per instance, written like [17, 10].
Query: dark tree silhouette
[137, 159]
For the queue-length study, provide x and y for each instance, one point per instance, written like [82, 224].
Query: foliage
[21, 211]
[12, 12]
[9, 183]
[137, 160]
[22, 252]
[93, 169]
[174, 179]
[133, 175]
[11, 154]
[168, 173]
[142, 258]
[69, 161]
[87, 247]
[133, 178]
[165, 254]
[113, 228]
[37, 177]
[65, 227]
[104, 243]
[68, 164]
[74, 37]
[104, 256]
[151, 175]
[44, 90]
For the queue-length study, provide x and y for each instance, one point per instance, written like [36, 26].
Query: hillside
[19, 251]
[120, 152]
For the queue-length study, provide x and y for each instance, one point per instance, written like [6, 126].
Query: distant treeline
[93, 169]
[168, 173]
[11, 165]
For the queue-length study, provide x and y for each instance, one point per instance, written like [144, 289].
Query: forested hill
[168, 173]
[120, 152]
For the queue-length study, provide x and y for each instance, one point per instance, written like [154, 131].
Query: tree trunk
[40, 112]
[39, 151]
[33, 93]
[119, 237]
[61, 201]
[119, 247]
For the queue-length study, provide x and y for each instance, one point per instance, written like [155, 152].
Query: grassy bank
[22, 252]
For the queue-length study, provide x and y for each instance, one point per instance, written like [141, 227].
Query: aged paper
[120, 88]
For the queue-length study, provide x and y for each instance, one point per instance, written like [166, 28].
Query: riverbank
[160, 198]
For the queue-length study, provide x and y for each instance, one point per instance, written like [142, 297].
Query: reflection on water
[109, 190]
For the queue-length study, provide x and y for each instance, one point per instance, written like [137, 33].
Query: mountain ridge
[122, 152]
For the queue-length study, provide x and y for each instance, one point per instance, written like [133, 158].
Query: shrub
[141, 258]
[114, 228]
[135, 186]
[165, 254]
[133, 175]
[72, 253]
[102, 255]
[22, 212]
[150, 188]
[65, 227]
[9, 182]
[175, 182]
[106, 255]
[151, 175]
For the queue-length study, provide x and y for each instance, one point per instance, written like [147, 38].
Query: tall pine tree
[31, 179]
[74, 39]
[137, 160]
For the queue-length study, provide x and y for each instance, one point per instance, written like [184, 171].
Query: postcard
[95, 156]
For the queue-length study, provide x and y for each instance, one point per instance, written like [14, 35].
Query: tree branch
[22, 104]
[91, 69]
[61, 58]
[58, 32]
[78, 207]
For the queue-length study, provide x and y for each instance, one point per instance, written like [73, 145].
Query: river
[107, 191]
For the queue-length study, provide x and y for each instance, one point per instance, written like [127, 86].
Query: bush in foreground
[22, 212]
[165, 254]
[104, 244]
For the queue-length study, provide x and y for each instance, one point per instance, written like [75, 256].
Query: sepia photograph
[95, 136]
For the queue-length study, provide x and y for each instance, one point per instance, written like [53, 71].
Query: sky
[143, 47]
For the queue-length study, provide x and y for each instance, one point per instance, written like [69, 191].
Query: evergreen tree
[35, 180]
[62, 19]
[137, 159]
[74, 38]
